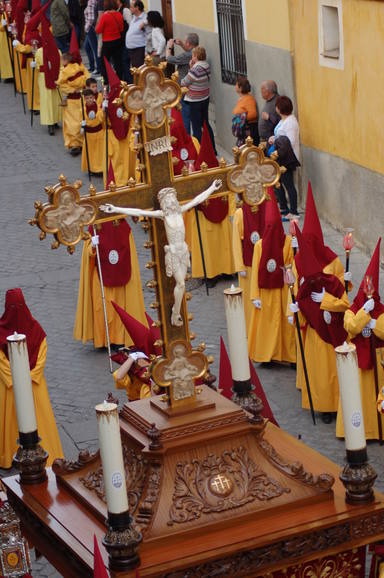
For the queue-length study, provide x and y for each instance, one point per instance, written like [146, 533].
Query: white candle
[22, 383]
[112, 457]
[349, 385]
[237, 334]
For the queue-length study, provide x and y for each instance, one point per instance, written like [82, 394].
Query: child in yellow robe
[93, 127]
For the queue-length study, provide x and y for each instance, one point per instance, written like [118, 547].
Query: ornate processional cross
[66, 213]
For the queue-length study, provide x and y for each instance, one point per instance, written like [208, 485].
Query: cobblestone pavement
[78, 376]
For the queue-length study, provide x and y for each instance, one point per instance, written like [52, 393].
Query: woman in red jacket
[111, 26]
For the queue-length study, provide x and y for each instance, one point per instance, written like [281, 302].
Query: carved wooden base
[31, 464]
[198, 405]
[122, 546]
[358, 480]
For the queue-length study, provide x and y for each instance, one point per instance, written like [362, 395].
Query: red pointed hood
[119, 125]
[140, 335]
[259, 391]
[74, 48]
[51, 55]
[111, 175]
[155, 333]
[313, 233]
[306, 261]
[207, 152]
[99, 570]
[113, 79]
[184, 148]
[225, 372]
[271, 265]
[37, 13]
[373, 270]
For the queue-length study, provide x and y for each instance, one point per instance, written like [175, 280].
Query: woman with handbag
[244, 119]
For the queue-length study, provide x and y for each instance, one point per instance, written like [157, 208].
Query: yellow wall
[342, 111]
[268, 22]
[195, 14]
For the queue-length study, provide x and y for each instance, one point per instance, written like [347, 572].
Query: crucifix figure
[177, 258]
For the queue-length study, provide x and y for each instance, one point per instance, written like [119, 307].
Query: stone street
[78, 376]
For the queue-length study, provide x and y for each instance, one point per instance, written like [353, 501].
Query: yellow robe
[135, 388]
[5, 61]
[237, 248]
[354, 324]
[72, 115]
[89, 322]
[46, 423]
[320, 358]
[27, 49]
[122, 156]
[50, 109]
[270, 336]
[95, 142]
[217, 243]
[18, 69]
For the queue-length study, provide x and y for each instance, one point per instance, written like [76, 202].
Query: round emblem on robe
[184, 154]
[367, 331]
[271, 265]
[220, 485]
[254, 237]
[13, 559]
[113, 257]
[119, 112]
[92, 115]
[117, 480]
[327, 317]
[356, 419]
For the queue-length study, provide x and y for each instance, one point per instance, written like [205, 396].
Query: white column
[22, 383]
[349, 384]
[112, 457]
[237, 334]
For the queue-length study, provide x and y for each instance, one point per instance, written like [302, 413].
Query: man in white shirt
[135, 38]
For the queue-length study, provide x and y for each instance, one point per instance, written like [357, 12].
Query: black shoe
[36, 112]
[326, 417]
[211, 283]
[293, 365]
[75, 151]
[51, 129]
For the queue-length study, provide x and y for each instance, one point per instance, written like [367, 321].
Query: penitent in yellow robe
[354, 324]
[135, 388]
[89, 323]
[270, 336]
[18, 59]
[46, 423]
[72, 115]
[26, 49]
[5, 61]
[95, 143]
[216, 240]
[237, 248]
[320, 358]
[50, 109]
[122, 156]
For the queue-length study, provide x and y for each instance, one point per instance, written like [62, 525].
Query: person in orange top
[247, 104]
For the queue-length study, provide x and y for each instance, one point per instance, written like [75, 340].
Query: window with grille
[232, 43]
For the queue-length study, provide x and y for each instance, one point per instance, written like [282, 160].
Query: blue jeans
[62, 42]
[186, 114]
[90, 47]
[199, 116]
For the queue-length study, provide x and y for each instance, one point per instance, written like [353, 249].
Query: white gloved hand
[242, 273]
[135, 355]
[294, 243]
[15, 43]
[105, 104]
[33, 64]
[372, 324]
[294, 308]
[83, 123]
[290, 320]
[4, 23]
[369, 305]
[347, 276]
[95, 240]
[382, 406]
[257, 303]
[318, 297]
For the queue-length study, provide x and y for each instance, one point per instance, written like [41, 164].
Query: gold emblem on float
[220, 485]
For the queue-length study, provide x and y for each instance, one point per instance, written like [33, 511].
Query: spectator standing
[127, 17]
[61, 25]
[155, 39]
[269, 117]
[135, 39]
[288, 127]
[76, 17]
[110, 26]
[246, 105]
[90, 42]
[182, 61]
[197, 81]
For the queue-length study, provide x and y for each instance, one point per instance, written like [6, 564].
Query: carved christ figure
[177, 258]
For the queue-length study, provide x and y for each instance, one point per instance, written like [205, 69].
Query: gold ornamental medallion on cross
[160, 196]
